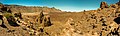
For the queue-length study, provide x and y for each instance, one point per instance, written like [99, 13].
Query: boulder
[104, 5]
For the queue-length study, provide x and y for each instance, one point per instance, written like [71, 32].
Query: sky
[64, 5]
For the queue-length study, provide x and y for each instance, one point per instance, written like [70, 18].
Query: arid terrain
[45, 21]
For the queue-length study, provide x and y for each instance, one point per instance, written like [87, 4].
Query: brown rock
[1, 19]
[41, 16]
[99, 9]
[118, 10]
[46, 21]
[118, 3]
[19, 15]
[5, 22]
[1, 5]
[114, 5]
[104, 5]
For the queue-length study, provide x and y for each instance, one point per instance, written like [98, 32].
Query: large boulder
[104, 5]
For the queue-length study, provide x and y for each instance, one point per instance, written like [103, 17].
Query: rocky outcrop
[118, 3]
[4, 9]
[104, 5]
[19, 15]
[45, 20]
[1, 20]
[114, 5]
[1, 5]
[41, 16]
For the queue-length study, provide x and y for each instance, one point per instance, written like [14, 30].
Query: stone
[41, 16]
[46, 21]
[0, 22]
[118, 3]
[1, 5]
[114, 5]
[19, 15]
[104, 5]
[1, 19]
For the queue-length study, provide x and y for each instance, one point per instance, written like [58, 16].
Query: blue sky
[65, 5]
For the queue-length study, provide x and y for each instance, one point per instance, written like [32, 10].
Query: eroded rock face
[104, 5]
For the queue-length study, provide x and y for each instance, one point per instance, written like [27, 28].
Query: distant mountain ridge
[33, 9]
[21, 8]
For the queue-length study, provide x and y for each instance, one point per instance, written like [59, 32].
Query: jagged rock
[4, 9]
[5, 22]
[104, 5]
[117, 20]
[99, 9]
[118, 10]
[1, 6]
[114, 5]
[11, 20]
[46, 21]
[19, 15]
[41, 16]
[118, 3]
[9, 10]
[1, 19]
[0, 22]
